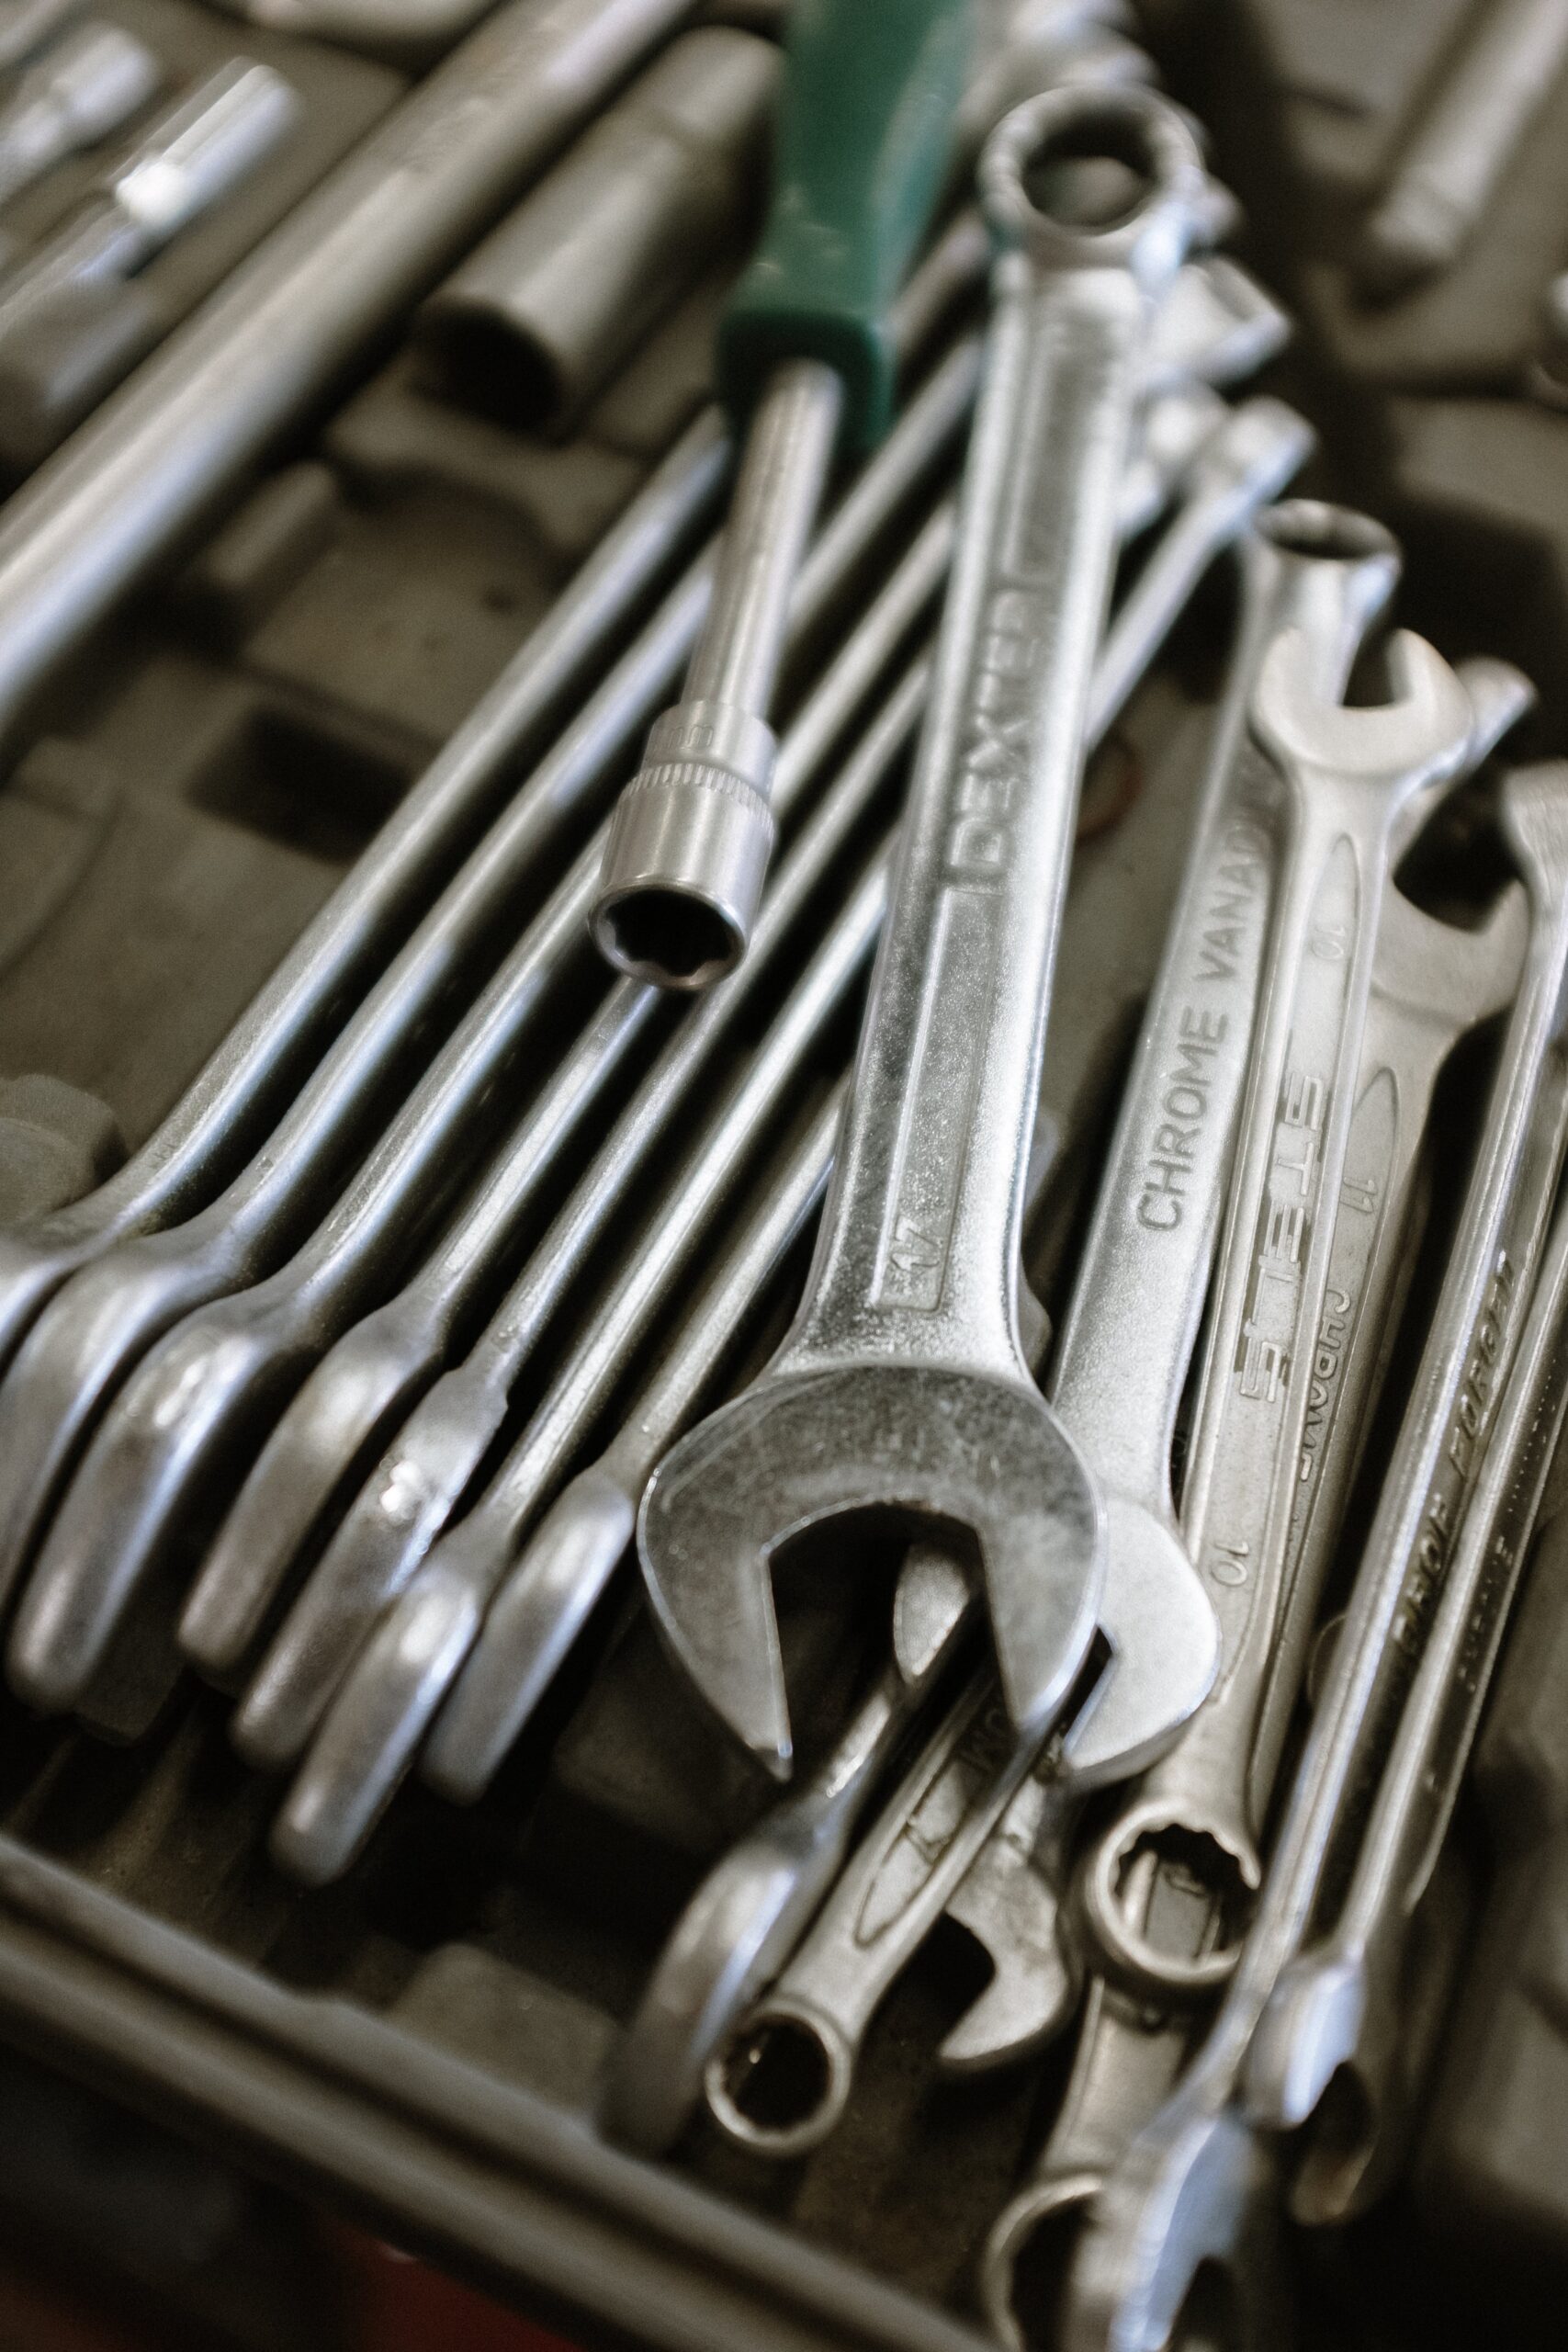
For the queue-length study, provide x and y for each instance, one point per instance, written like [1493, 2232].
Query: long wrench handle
[918, 1223]
[1125, 1345]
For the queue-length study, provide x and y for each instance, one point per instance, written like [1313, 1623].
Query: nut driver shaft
[861, 144]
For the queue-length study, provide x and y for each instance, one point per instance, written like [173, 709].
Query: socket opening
[668, 938]
[490, 367]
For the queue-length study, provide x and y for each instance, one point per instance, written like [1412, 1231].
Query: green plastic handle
[865, 126]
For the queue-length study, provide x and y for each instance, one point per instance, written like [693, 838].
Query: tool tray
[420, 2045]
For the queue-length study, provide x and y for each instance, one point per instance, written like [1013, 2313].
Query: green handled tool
[807, 364]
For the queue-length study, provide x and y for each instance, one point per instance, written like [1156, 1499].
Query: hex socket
[540, 316]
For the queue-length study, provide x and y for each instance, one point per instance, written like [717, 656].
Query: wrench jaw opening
[149, 1465]
[1422, 733]
[1309, 2029]
[780, 2086]
[533, 1624]
[1009, 1902]
[973, 1460]
[319, 1448]
[1182, 2243]
[1154, 1688]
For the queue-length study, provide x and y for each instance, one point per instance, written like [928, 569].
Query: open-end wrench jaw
[1197, 2191]
[1422, 733]
[979, 1463]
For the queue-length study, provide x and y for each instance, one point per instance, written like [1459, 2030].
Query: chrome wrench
[1132, 2046]
[1189, 2187]
[1121, 1365]
[1241, 462]
[902, 1383]
[1350, 776]
[1339, 2009]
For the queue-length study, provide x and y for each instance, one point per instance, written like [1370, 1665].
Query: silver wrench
[1121, 1365]
[1350, 776]
[401, 1508]
[902, 1383]
[110, 1311]
[382, 1363]
[1132, 2048]
[1338, 2014]
[205, 1387]
[1191, 2184]
[1241, 462]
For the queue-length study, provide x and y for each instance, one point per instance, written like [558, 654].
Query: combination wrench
[107, 1315]
[1338, 2014]
[1121, 1368]
[381, 1365]
[1349, 778]
[1188, 2189]
[401, 1506]
[1131, 2045]
[902, 1386]
[1243, 462]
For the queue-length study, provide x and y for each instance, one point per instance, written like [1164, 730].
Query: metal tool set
[676, 1315]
